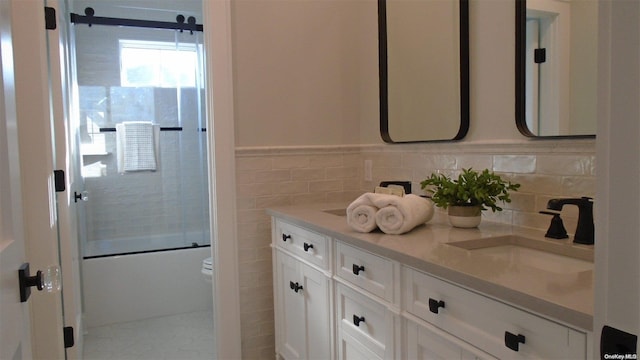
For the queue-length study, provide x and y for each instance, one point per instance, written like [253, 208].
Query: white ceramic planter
[464, 216]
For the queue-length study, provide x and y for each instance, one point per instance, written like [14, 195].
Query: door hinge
[50, 18]
[68, 336]
[58, 178]
[540, 55]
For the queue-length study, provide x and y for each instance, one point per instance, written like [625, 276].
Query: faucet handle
[556, 228]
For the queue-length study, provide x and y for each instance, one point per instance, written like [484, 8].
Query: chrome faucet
[585, 229]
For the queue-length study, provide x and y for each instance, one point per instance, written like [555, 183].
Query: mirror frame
[520, 72]
[464, 74]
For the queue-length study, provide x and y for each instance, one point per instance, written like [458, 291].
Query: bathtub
[144, 285]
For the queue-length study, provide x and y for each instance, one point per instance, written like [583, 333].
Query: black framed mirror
[556, 68]
[424, 70]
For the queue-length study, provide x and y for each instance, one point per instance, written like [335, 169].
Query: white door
[36, 144]
[14, 316]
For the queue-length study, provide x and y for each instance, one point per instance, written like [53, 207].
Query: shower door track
[180, 23]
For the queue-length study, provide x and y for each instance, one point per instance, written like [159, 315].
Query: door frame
[66, 136]
[221, 144]
[617, 247]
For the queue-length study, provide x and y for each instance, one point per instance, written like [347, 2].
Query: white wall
[307, 72]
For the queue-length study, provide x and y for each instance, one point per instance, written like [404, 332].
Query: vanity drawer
[307, 245]
[497, 328]
[365, 270]
[363, 319]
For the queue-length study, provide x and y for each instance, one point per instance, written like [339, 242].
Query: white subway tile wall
[269, 177]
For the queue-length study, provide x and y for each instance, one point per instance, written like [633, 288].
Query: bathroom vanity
[435, 292]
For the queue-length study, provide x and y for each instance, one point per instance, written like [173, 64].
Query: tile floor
[178, 337]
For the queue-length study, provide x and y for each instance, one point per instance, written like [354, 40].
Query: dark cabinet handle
[307, 246]
[357, 269]
[434, 305]
[513, 341]
[285, 237]
[357, 320]
[295, 286]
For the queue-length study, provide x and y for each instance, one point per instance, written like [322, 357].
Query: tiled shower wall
[268, 177]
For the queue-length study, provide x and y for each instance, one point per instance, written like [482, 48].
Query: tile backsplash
[274, 176]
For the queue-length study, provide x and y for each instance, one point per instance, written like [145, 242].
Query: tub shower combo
[144, 222]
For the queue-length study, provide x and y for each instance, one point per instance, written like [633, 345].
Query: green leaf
[470, 188]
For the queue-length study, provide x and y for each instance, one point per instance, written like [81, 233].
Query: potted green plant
[466, 197]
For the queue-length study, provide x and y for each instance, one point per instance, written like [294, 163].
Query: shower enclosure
[143, 231]
[133, 74]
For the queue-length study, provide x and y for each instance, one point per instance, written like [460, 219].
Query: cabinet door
[302, 310]
[316, 317]
[290, 309]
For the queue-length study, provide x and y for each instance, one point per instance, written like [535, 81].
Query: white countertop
[567, 297]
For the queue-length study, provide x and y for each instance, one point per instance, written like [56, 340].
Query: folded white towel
[361, 213]
[136, 146]
[398, 215]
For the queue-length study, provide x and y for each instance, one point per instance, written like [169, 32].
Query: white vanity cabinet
[335, 300]
[302, 294]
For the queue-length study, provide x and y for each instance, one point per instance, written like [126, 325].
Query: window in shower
[133, 74]
[158, 64]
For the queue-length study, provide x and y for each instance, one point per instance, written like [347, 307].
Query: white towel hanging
[136, 146]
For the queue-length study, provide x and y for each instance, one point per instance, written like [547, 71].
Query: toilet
[207, 269]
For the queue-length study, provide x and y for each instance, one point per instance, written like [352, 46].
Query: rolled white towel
[398, 215]
[361, 213]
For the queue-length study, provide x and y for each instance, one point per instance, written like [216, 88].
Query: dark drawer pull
[513, 341]
[434, 305]
[357, 269]
[295, 286]
[357, 320]
[307, 246]
[285, 237]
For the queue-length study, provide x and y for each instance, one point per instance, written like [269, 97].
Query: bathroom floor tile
[178, 337]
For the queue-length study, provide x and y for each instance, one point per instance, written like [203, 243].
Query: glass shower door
[153, 77]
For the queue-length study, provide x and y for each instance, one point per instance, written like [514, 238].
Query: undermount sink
[337, 212]
[558, 258]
